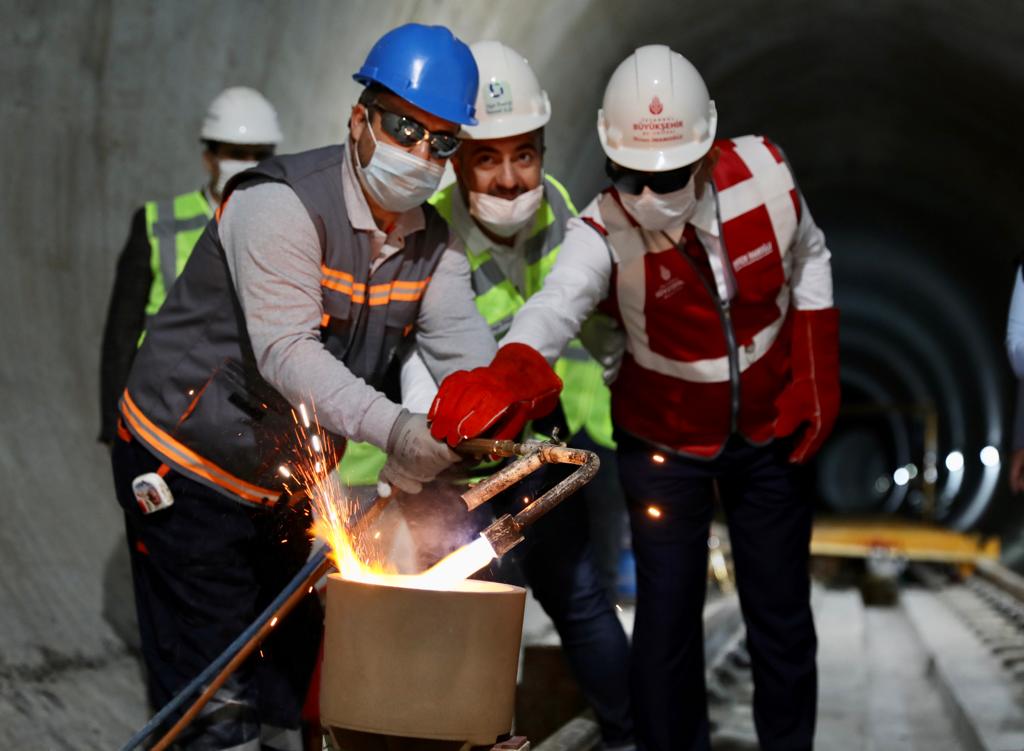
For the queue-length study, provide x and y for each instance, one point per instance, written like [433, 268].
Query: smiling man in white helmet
[511, 218]
[706, 252]
[240, 128]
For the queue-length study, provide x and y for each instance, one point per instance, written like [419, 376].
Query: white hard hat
[241, 115]
[510, 100]
[656, 114]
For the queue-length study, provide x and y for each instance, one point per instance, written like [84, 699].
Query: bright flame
[356, 548]
[457, 566]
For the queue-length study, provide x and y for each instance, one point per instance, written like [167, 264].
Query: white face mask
[502, 216]
[228, 168]
[396, 179]
[662, 211]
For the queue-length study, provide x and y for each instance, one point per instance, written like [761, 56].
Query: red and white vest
[675, 385]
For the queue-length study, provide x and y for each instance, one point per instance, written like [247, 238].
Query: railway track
[940, 668]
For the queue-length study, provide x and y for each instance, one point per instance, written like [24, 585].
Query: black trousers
[769, 529]
[203, 569]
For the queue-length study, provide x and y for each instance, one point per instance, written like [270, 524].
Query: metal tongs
[506, 532]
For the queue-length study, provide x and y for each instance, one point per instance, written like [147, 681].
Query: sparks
[273, 621]
[358, 555]
[284, 471]
[654, 512]
[658, 458]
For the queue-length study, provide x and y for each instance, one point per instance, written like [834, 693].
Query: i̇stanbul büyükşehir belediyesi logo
[657, 128]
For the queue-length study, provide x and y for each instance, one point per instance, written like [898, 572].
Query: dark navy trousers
[203, 569]
[769, 529]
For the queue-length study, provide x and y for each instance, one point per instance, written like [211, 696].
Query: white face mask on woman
[502, 216]
[396, 179]
[662, 211]
[228, 168]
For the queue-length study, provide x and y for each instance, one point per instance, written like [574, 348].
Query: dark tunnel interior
[901, 120]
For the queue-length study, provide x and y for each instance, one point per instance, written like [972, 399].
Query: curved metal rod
[505, 533]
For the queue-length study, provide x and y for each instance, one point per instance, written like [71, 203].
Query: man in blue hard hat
[305, 288]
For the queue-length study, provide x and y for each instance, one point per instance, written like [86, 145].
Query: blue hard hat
[427, 66]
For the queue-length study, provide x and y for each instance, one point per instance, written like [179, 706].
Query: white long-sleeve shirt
[580, 277]
[1015, 326]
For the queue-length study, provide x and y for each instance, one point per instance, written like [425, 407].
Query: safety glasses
[408, 132]
[634, 182]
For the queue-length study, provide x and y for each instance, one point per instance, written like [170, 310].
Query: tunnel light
[911, 470]
[931, 475]
[882, 485]
[901, 476]
[990, 456]
[954, 461]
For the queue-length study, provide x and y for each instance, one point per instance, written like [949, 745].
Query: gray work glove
[414, 457]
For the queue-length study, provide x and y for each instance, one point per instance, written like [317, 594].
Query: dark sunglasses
[634, 182]
[408, 132]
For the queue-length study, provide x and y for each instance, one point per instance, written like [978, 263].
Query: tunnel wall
[904, 116]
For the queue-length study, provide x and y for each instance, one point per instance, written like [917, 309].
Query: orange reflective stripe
[328, 271]
[324, 320]
[345, 289]
[189, 459]
[379, 294]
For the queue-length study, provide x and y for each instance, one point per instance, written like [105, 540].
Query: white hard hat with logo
[241, 115]
[657, 114]
[510, 100]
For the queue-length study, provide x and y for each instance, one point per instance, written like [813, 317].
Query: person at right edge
[707, 254]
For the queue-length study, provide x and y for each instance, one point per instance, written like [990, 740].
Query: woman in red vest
[705, 252]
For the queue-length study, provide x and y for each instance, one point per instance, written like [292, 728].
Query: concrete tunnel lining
[910, 102]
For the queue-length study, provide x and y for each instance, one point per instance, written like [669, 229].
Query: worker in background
[707, 254]
[240, 129]
[1015, 350]
[510, 216]
[316, 271]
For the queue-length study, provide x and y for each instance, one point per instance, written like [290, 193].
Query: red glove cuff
[517, 386]
[812, 397]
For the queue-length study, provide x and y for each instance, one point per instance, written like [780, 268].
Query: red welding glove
[809, 404]
[499, 399]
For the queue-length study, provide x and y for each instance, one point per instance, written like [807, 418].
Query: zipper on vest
[734, 363]
[725, 319]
